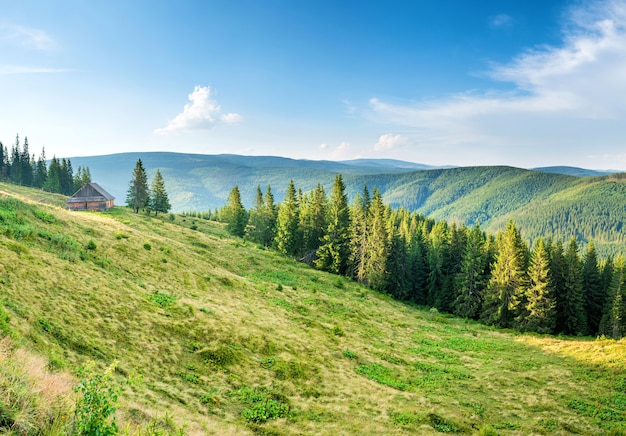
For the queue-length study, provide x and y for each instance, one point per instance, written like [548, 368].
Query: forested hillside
[548, 204]
[203, 333]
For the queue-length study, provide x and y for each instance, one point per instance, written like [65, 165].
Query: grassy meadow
[218, 336]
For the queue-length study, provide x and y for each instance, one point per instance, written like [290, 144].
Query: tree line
[19, 167]
[501, 280]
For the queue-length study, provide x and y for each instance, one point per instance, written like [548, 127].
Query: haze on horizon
[526, 84]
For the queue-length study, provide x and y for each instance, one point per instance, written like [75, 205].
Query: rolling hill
[224, 337]
[542, 203]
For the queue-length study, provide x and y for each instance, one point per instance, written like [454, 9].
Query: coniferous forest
[547, 286]
[19, 167]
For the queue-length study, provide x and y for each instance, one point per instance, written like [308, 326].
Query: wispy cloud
[202, 113]
[28, 37]
[500, 21]
[565, 91]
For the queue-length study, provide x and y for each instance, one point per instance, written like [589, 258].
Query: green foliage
[264, 405]
[97, 402]
[5, 325]
[91, 245]
[163, 300]
[382, 375]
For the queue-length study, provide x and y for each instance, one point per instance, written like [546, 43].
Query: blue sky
[514, 82]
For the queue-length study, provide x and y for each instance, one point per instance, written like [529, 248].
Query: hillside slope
[547, 204]
[229, 338]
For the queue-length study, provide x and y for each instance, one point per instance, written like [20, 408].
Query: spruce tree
[313, 222]
[540, 311]
[592, 285]
[270, 215]
[41, 170]
[358, 236]
[287, 225]
[508, 279]
[255, 217]
[571, 312]
[613, 322]
[234, 214]
[53, 181]
[377, 244]
[138, 194]
[471, 280]
[334, 251]
[436, 285]
[159, 200]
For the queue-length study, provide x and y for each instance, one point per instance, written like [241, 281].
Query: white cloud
[201, 113]
[572, 93]
[501, 20]
[30, 38]
[388, 141]
[323, 146]
[342, 151]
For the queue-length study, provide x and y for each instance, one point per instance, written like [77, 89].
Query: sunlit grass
[217, 333]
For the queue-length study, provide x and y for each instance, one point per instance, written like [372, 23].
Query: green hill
[543, 203]
[229, 338]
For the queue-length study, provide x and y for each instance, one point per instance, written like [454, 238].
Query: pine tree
[53, 181]
[613, 322]
[471, 280]
[358, 236]
[255, 217]
[540, 311]
[159, 200]
[377, 244]
[270, 216]
[571, 311]
[3, 162]
[508, 279]
[313, 221]
[333, 254]
[138, 196]
[287, 225]
[592, 285]
[234, 213]
[15, 167]
[437, 253]
[41, 170]
[27, 169]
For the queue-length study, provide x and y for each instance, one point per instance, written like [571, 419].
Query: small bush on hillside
[91, 245]
[161, 299]
[221, 355]
[95, 408]
[147, 246]
[5, 326]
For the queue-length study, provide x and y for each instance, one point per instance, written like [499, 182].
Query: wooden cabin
[90, 197]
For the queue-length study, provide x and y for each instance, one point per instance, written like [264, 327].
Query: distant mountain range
[554, 201]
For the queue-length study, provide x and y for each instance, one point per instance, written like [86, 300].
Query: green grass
[209, 339]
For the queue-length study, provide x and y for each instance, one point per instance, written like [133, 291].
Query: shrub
[349, 354]
[95, 408]
[91, 245]
[147, 246]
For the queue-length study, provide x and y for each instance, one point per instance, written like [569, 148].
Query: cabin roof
[90, 192]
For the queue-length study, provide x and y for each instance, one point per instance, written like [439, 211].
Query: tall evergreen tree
[234, 213]
[571, 312]
[333, 254]
[592, 285]
[41, 170]
[287, 225]
[159, 200]
[270, 216]
[138, 196]
[471, 280]
[53, 181]
[26, 168]
[377, 248]
[3, 162]
[15, 167]
[313, 219]
[358, 236]
[255, 217]
[540, 311]
[613, 322]
[436, 285]
[508, 279]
